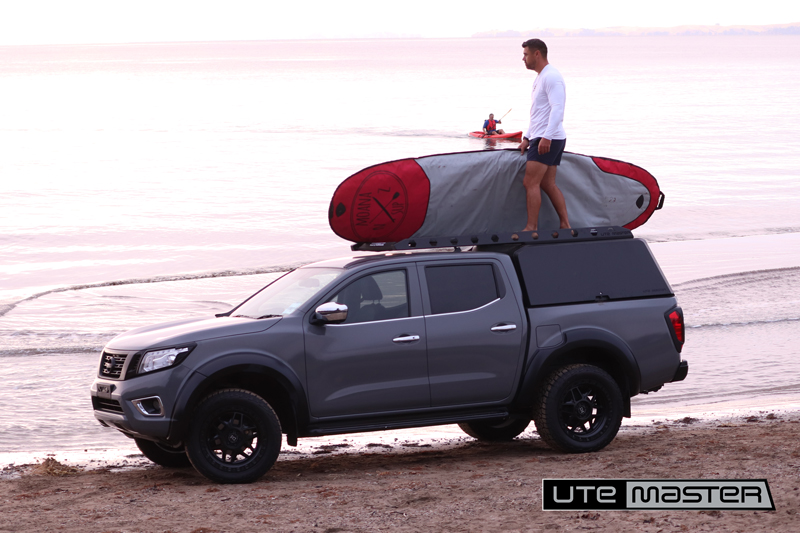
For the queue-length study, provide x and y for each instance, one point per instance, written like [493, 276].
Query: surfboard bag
[472, 193]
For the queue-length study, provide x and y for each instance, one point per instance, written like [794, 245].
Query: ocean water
[146, 182]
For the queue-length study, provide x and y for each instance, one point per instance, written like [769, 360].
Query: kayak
[474, 193]
[514, 136]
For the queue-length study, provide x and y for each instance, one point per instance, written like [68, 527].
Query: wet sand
[452, 484]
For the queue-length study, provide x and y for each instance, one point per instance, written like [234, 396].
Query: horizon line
[683, 30]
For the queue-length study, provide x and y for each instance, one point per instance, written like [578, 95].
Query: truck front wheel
[235, 437]
[579, 409]
[495, 430]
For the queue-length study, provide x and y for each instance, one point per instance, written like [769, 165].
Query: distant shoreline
[792, 28]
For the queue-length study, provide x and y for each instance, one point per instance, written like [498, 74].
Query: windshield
[287, 293]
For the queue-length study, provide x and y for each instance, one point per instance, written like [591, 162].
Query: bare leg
[550, 188]
[534, 173]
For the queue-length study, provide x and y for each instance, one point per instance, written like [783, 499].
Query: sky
[114, 21]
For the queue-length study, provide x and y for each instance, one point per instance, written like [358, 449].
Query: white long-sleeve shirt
[548, 98]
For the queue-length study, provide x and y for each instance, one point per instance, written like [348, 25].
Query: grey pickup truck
[561, 328]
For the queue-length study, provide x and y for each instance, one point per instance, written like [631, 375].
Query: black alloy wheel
[579, 409]
[235, 437]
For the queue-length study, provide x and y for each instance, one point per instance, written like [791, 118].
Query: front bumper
[140, 408]
[116, 412]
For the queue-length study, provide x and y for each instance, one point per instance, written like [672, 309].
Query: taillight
[675, 319]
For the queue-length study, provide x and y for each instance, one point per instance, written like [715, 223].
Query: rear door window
[454, 288]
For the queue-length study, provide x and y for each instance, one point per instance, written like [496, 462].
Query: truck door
[376, 360]
[475, 332]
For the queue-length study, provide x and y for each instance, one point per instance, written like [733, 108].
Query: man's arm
[556, 97]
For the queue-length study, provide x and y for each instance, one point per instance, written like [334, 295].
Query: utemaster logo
[654, 494]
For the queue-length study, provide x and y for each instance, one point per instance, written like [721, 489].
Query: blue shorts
[551, 158]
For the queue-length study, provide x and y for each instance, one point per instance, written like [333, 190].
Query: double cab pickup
[562, 330]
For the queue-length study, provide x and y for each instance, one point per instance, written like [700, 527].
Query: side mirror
[330, 313]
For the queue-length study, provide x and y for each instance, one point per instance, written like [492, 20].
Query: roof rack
[528, 237]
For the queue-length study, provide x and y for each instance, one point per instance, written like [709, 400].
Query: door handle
[405, 338]
[505, 327]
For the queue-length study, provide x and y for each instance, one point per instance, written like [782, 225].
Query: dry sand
[462, 485]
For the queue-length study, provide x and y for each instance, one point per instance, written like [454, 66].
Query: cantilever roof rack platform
[528, 237]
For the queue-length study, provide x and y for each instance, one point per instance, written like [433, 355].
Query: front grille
[111, 365]
[103, 404]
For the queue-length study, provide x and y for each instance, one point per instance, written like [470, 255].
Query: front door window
[381, 296]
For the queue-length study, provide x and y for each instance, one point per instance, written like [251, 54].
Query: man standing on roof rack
[545, 136]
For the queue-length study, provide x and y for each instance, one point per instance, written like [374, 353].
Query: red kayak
[514, 136]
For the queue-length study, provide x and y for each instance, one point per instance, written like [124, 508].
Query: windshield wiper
[257, 317]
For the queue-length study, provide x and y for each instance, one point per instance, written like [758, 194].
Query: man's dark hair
[536, 44]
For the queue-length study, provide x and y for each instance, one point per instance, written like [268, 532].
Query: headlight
[159, 359]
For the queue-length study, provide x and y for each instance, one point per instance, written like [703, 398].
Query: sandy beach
[448, 485]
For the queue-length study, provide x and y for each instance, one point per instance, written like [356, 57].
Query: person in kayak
[545, 136]
[490, 126]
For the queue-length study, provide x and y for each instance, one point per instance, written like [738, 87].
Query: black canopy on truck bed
[583, 272]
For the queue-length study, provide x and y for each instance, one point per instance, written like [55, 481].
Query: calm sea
[146, 182]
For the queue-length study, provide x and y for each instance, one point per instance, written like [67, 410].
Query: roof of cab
[389, 257]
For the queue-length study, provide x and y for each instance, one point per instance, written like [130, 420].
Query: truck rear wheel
[163, 455]
[235, 437]
[579, 409]
[495, 430]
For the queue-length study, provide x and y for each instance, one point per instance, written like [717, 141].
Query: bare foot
[527, 229]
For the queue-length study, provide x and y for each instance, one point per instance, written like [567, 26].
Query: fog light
[149, 406]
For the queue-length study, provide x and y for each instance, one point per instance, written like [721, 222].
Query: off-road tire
[235, 437]
[579, 409]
